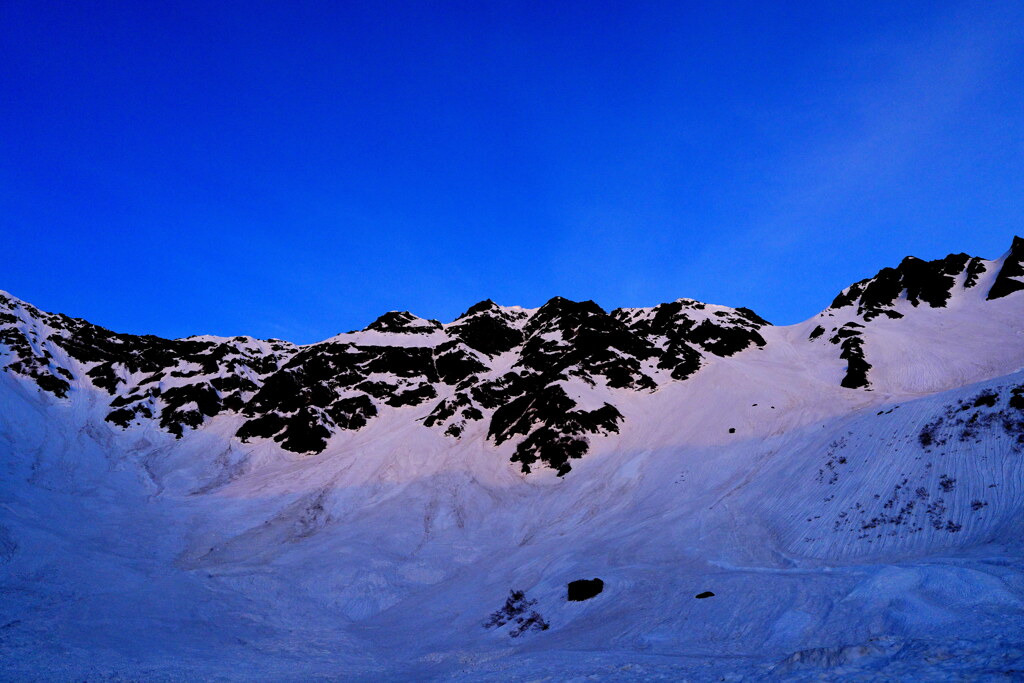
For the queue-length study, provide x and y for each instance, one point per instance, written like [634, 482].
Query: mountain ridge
[458, 372]
[675, 451]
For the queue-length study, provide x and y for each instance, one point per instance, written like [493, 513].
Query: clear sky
[294, 169]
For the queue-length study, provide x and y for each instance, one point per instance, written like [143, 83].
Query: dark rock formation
[1007, 281]
[584, 589]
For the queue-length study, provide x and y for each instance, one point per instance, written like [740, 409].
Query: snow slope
[850, 532]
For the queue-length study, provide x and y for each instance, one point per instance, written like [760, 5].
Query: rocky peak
[922, 284]
[1008, 280]
[919, 282]
[485, 306]
[489, 328]
[403, 322]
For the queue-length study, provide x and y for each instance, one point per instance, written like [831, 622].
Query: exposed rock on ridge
[544, 380]
[926, 284]
[515, 369]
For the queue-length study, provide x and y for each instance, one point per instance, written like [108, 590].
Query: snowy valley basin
[680, 492]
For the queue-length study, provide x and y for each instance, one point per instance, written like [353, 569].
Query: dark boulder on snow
[584, 589]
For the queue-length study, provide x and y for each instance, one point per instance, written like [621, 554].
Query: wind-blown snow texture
[410, 501]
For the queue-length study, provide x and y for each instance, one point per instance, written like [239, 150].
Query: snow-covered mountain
[411, 500]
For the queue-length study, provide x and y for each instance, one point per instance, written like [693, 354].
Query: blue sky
[294, 169]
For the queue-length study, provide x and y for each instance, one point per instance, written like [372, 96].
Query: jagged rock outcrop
[894, 293]
[919, 282]
[1008, 280]
[517, 370]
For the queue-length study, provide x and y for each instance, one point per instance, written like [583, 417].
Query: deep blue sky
[294, 169]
